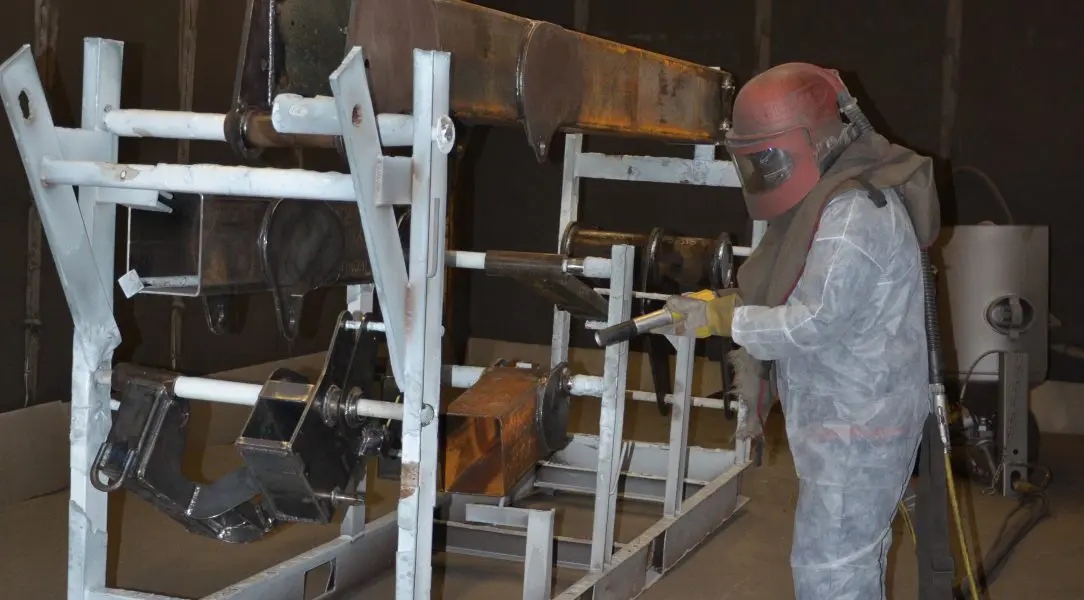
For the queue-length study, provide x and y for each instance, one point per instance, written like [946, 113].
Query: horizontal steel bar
[713, 403]
[715, 173]
[630, 571]
[290, 114]
[166, 124]
[509, 544]
[357, 559]
[246, 394]
[644, 458]
[462, 377]
[217, 390]
[203, 179]
[592, 266]
[118, 594]
[378, 409]
[498, 515]
[632, 486]
[295, 114]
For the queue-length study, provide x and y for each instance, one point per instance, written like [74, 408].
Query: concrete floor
[747, 559]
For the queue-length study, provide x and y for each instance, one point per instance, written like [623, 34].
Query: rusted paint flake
[408, 480]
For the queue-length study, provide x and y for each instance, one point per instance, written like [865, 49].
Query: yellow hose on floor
[974, 585]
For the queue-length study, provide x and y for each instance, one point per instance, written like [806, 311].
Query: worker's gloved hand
[702, 314]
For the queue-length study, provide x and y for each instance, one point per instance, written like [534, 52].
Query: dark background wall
[1017, 120]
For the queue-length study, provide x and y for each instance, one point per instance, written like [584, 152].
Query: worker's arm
[844, 264]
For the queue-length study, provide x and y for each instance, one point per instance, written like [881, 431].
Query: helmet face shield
[763, 170]
[775, 171]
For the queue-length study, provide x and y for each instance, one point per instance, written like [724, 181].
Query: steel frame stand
[698, 488]
[1012, 420]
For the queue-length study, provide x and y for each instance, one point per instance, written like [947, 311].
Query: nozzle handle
[615, 334]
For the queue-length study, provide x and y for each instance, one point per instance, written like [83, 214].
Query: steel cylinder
[673, 263]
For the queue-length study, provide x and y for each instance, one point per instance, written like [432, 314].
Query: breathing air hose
[849, 107]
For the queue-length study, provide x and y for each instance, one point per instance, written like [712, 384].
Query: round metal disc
[551, 418]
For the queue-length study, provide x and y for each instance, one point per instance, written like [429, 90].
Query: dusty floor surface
[747, 559]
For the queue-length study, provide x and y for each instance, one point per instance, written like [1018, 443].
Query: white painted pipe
[217, 390]
[378, 409]
[460, 377]
[166, 124]
[295, 114]
[463, 259]
[290, 114]
[456, 376]
[203, 179]
[594, 267]
[587, 385]
[713, 403]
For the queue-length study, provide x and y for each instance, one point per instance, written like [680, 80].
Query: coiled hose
[849, 107]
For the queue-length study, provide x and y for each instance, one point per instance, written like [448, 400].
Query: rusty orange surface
[491, 441]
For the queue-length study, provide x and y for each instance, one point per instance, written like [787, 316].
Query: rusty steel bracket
[143, 454]
[509, 69]
[216, 247]
[499, 428]
[287, 47]
[544, 273]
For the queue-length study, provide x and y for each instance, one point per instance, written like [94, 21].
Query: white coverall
[851, 367]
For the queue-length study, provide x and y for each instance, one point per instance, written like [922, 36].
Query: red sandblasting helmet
[786, 125]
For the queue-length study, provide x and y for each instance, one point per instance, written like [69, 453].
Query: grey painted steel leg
[679, 427]
[538, 557]
[432, 87]
[570, 210]
[415, 290]
[77, 261]
[361, 140]
[538, 568]
[612, 420]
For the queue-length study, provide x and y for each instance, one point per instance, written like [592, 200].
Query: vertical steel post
[538, 558]
[361, 140]
[432, 127]
[1012, 422]
[82, 269]
[678, 450]
[570, 209]
[88, 509]
[612, 419]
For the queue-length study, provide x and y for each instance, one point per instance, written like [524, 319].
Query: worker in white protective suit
[828, 316]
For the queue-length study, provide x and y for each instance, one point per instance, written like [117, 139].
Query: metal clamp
[143, 454]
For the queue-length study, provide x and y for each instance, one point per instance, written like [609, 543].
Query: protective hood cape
[772, 271]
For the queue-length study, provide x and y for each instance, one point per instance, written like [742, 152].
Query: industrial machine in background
[994, 286]
[388, 114]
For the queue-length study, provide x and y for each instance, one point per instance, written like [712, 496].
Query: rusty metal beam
[508, 69]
